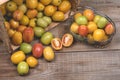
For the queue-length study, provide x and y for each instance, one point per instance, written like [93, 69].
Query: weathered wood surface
[79, 62]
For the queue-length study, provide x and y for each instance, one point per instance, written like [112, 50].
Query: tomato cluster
[92, 27]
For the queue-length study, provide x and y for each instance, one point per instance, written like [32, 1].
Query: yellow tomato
[58, 16]
[65, 6]
[92, 27]
[49, 10]
[48, 53]
[17, 57]
[45, 2]
[17, 38]
[40, 7]
[98, 35]
[74, 27]
[32, 62]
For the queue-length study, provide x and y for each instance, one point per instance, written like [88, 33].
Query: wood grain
[80, 61]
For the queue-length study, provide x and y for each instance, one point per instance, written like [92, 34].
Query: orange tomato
[49, 10]
[89, 14]
[32, 62]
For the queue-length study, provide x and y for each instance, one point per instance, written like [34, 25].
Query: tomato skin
[28, 35]
[37, 50]
[83, 30]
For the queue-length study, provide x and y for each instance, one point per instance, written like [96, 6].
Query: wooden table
[80, 61]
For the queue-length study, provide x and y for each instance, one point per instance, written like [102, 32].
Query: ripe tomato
[37, 50]
[32, 62]
[17, 57]
[99, 35]
[109, 29]
[83, 30]
[89, 14]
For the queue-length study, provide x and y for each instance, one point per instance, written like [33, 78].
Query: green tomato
[47, 19]
[38, 31]
[102, 22]
[22, 68]
[96, 18]
[42, 23]
[26, 48]
[82, 20]
[46, 38]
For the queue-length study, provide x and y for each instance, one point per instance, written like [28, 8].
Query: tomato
[56, 43]
[47, 19]
[37, 50]
[89, 14]
[46, 38]
[45, 2]
[17, 38]
[28, 35]
[83, 30]
[65, 6]
[96, 18]
[38, 31]
[21, 28]
[49, 10]
[67, 40]
[98, 35]
[74, 27]
[11, 6]
[14, 24]
[17, 15]
[26, 48]
[17, 57]
[109, 29]
[58, 16]
[91, 27]
[102, 22]
[56, 2]
[81, 20]
[22, 68]
[48, 53]
[32, 62]
[31, 13]
[24, 20]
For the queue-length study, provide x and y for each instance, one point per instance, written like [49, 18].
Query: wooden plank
[68, 66]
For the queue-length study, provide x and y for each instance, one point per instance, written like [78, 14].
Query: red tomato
[83, 30]
[109, 29]
[28, 34]
[37, 50]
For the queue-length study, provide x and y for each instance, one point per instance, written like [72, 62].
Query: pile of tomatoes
[25, 21]
[91, 27]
